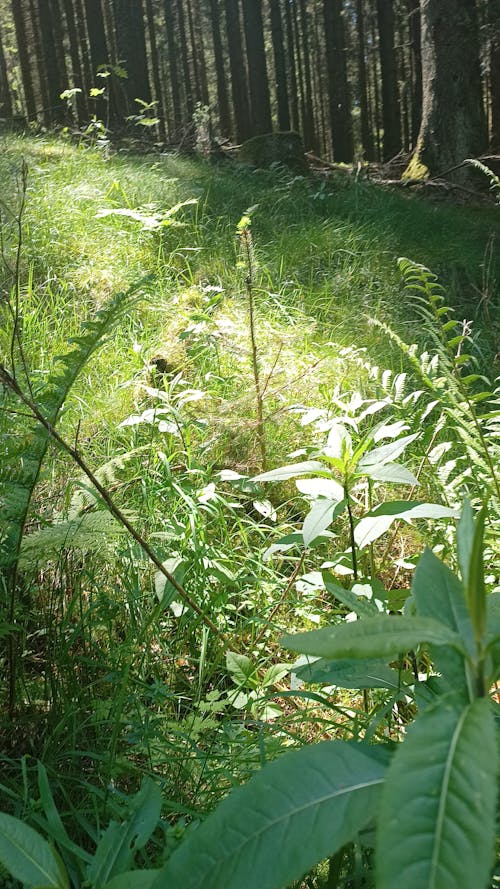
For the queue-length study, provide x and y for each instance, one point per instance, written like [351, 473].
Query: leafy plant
[431, 798]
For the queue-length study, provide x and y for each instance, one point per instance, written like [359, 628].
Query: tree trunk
[309, 133]
[155, 68]
[18, 12]
[5, 97]
[220, 73]
[97, 56]
[257, 71]
[279, 65]
[366, 133]
[173, 69]
[391, 121]
[494, 60]
[131, 46]
[340, 111]
[35, 41]
[416, 68]
[292, 69]
[241, 103]
[453, 121]
[186, 71]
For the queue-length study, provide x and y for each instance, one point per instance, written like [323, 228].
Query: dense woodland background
[349, 75]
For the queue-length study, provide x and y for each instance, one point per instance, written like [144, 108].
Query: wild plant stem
[351, 532]
[246, 240]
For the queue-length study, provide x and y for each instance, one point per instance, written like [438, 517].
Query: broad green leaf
[320, 487]
[359, 604]
[439, 594]
[381, 636]
[119, 842]
[385, 453]
[241, 669]
[320, 517]
[354, 673]
[379, 520]
[290, 815]
[437, 815]
[390, 472]
[293, 470]
[28, 857]
[133, 879]
[476, 593]
[465, 540]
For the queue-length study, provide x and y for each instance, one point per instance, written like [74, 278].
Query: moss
[415, 169]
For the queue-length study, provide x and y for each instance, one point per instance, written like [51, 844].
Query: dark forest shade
[320, 67]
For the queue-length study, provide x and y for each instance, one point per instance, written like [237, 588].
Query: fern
[22, 454]
[447, 374]
[94, 532]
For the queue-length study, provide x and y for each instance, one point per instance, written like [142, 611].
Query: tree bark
[279, 65]
[340, 111]
[416, 67]
[366, 133]
[494, 64]
[5, 97]
[19, 12]
[131, 46]
[241, 102]
[391, 120]
[220, 73]
[292, 70]
[175, 90]
[257, 71]
[453, 120]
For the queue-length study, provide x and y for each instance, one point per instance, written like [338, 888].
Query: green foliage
[436, 815]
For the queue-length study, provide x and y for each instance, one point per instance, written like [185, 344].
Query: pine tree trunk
[366, 133]
[220, 73]
[155, 68]
[241, 102]
[131, 46]
[257, 71]
[279, 65]
[97, 55]
[416, 67]
[5, 97]
[453, 120]
[35, 41]
[19, 12]
[173, 69]
[494, 60]
[76, 76]
[292, 70]
[391, 121]
[310, 140]
[340, 111]
[186, 72]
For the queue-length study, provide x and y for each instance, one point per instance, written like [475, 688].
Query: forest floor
[113, 685]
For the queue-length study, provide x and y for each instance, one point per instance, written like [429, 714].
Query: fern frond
[22, 455]
[94, 532]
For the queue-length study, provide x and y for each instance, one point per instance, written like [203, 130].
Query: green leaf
[476, 593]
[437, 814]
[385, 453]
[361, 605]
[379, 520]
[322, 514]
[381, 636]
[290, 815]
[368, 673]
[293, 470]
[119, 842]
[320, 487]
[465, 540]
[390, 472]
[28, 857]
[439, 594]
[241, 668]
[133, 879]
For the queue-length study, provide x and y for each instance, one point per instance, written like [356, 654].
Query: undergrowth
[148, 568]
